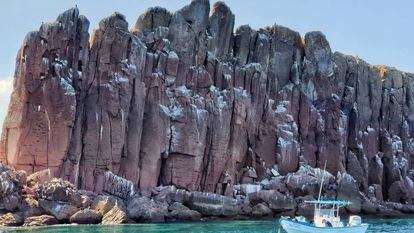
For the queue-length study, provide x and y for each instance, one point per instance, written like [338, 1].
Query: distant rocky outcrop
[185, 100]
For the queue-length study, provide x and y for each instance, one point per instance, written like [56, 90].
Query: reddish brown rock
[145, 209]
[304, 208]
[44, 104]
[59, 190]
[183, 100]
[118, 186]
[261, 210]
[60, 210]
[220, 28]
[11, 182]
[306, 181]
[39, 177]
[10, 220]
[184, 215]
[86, 216]
[42, 220]
[30, 207]
[103, 204]
[115, 216]
[275, 200]
[348, 191]
[209, 204]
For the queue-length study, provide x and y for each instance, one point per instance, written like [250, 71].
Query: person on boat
[327, 223]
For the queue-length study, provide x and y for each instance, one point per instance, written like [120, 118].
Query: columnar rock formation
[184, 99]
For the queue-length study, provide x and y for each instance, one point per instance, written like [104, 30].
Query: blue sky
[377, 31]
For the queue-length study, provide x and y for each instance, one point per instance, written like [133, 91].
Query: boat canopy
[329, 202]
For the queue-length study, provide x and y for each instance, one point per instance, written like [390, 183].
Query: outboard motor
[354, 220]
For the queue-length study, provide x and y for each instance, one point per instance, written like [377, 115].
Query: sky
[378, 31]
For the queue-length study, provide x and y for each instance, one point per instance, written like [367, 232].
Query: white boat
[326, 218]
[291, 226]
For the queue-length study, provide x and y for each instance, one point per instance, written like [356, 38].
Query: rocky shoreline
[182, 117]
[39, 200]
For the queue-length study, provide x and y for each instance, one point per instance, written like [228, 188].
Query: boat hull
[296, 227]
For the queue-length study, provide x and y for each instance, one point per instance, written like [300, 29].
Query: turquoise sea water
[386, 225]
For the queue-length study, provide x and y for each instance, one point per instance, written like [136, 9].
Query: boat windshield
[325, 213]
[327, 210]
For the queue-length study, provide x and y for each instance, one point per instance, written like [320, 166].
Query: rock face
[86, 216]
[115, 216]
[59, 190]
[103, 204]
[42, 220]
[276, 201]
[11, 184]
[146, 209]
[10, 220]
[60, 210]
[39, 177]
[118, 186]
[209, 204]
[280, 196]
[183, 99]
[184, 215]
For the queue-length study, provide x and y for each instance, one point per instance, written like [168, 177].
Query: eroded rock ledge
[183, 100]
[39, 200]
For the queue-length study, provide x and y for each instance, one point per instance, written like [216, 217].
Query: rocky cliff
[185, 99]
